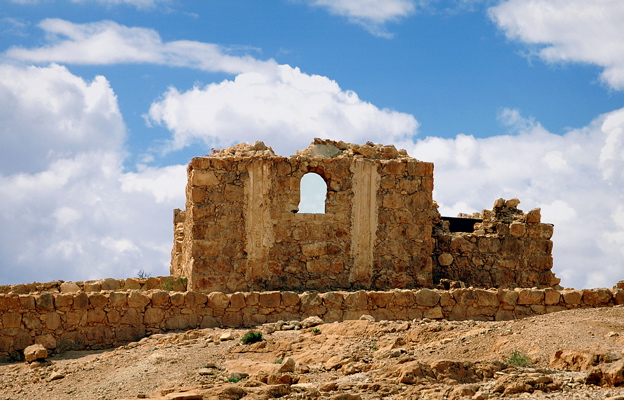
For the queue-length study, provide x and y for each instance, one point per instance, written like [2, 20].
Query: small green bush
[168, 284]
[251, 337]
[234, 379]
[316, 331]
[518, 359]
[278, 361]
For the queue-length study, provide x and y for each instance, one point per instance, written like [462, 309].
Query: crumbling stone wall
[95, 320]
[507, 249]
[241, 229]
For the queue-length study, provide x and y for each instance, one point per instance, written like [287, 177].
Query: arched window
[313, 191]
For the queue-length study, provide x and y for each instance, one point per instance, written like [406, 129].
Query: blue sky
[104, 102]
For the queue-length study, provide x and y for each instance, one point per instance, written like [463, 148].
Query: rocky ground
[567, 355]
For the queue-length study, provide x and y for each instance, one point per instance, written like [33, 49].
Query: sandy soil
[567, 355]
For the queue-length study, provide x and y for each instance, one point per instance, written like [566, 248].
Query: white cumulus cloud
[566, 175]
[569, 31]
[371, 14]
[107, 42]
[68, 210]
[286, 109]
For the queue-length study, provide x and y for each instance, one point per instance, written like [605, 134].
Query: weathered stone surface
[258, 241]
[69, 287]
[35, 352]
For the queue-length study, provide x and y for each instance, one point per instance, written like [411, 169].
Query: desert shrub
[251, 337]
[316, 331]
[142, 274]
[518, 359]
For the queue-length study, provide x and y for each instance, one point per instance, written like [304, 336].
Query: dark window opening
[461, 224]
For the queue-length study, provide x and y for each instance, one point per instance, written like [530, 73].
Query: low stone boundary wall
[159, 282]
[92, 320]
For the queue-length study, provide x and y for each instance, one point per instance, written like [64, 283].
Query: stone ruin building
[241, 230]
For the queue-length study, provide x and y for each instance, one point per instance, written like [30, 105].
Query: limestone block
[534, 216]
[380, 299]
[151, 283]
[132, 283]
[35, 352]
[81, 301]
[62, 300]
[153, 316]
[48, 341]
[132, 317]
[118, 299]
[317, 267]
[333, 300]
[111, 284]
[499, 203]
[509, 297]
[11, 320]
[434, 313]
[45, 300]
[113, 316]
[403, 298]
[52, 321]
[458, 313]
[73, 318]
[69, 287]
[461, 245]
[618, 296]
[512, 203]
[530, 297]
[97, 300]
[517, 229]
[551, 297]
[290, 299]
[446, 299]
[269, 300]
[252, 299]
[180, 322]
[92, 286]
[232, 319]
[311, 299]
[464, 297]
[159, 298]
[26, 302]
[196, 299]
[572, 297]
[486, 298]
[393, 167]
[136, 299]
[356, 301]
[445, 259]
[96, 316]
[237, 300]
[597, 297]
[504, 315]
[203, 178]
[427, 297]
[177, 299]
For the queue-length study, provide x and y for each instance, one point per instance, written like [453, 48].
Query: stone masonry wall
[94, 320]
[508, 249]
[242, 231]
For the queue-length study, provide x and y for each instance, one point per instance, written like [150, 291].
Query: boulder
[35, 352]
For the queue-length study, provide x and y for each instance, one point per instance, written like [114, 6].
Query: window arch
[313, 194]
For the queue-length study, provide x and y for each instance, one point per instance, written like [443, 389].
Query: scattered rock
[228, 336]
[35, 352]
[311, 321]
[368, 318]
[56, 375]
